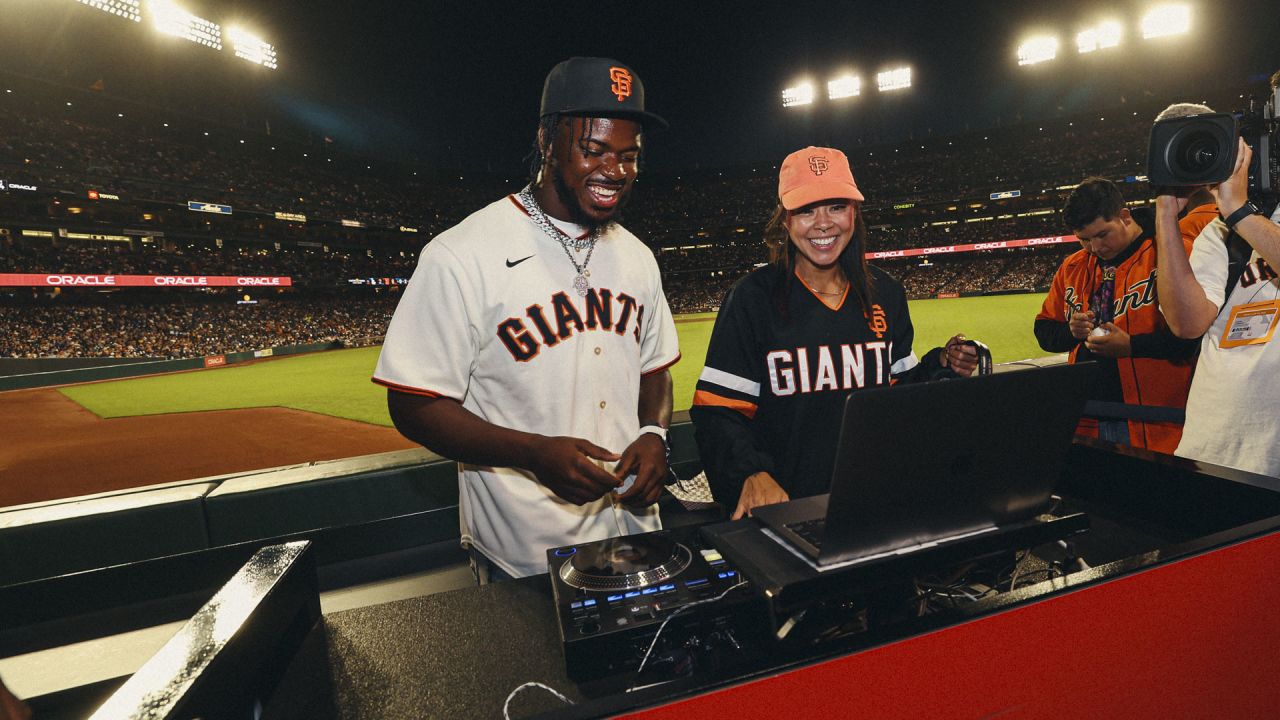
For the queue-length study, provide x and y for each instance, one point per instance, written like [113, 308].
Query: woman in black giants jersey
[792, 339]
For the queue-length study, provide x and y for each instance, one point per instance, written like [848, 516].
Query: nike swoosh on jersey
[512, 263]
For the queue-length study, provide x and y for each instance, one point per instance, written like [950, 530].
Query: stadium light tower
[1166, 20]
[251, 47]
[895, 79]
[801, 94]
[1037, 49]
[173, 20]
[845, 86]
[1101, 36]
[127, 9]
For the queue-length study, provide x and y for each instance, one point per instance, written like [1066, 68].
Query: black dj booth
[1161, 604]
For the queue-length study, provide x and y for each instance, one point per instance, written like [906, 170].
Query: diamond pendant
[581, 286]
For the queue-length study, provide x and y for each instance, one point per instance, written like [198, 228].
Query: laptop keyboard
[810, 530]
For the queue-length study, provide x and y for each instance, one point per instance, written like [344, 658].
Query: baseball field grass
[337, 383]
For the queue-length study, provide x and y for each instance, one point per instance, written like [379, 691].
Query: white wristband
[656, 430]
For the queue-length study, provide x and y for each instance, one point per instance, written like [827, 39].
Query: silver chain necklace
[580, 283]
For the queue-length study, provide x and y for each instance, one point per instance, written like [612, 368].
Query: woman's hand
[759, 489]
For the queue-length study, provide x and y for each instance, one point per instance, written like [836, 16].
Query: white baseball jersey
[490, 319]
[1232, 415]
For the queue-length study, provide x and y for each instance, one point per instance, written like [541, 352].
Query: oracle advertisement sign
[973, 247]
[70, 280]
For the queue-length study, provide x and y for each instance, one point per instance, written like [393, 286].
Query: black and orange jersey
[1158, 371]
[1194, 219]
[771, 395]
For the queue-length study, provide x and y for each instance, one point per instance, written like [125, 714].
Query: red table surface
[1198, 638]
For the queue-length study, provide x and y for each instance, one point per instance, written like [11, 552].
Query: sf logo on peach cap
[621, 82]
[818, 164]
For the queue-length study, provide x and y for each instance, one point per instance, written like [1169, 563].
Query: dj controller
[614, 596]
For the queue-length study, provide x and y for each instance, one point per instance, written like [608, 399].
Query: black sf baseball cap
[596, 87]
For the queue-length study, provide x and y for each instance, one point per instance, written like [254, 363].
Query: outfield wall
[986, 293]
[55, 371]
[28, 366]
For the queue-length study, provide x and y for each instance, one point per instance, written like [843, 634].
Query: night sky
[456, 84]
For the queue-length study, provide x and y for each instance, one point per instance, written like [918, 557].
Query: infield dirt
[53, 448]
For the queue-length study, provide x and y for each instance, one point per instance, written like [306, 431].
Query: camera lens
[1197, 152]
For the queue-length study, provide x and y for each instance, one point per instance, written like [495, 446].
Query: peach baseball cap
[813, 174]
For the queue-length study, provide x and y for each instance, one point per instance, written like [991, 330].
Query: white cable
[506, 706]
[1080, 563]
[1017, 568]
[663, 626]
[617, 519]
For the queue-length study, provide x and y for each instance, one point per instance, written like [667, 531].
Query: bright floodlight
[1104, 35]
[1038, 49]
[127, 9]
[801, 94]
[895, 79]
[1166, 20]
[845, 86]
[173, 20]
[252, 48]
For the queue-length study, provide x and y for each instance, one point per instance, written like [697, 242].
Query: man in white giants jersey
[1232, 416]
[533, 342]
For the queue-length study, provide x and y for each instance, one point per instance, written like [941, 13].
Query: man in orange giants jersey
[1102, 306]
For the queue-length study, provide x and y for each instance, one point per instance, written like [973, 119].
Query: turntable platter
[625, 562]
[612, 597]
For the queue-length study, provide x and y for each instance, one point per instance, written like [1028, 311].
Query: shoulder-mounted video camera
[1202, 149]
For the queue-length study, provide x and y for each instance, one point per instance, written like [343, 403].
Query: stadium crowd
[705, 228]
[310, 267]
[188, 327]
[51, 147]
[40, 148]
[983, 228]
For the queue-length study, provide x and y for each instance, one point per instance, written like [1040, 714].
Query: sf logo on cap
[621, 78]
[818, 164]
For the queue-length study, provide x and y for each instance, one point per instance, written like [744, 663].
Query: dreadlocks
[548, 127]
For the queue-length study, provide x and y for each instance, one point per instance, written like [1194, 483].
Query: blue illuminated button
[588, 603]
[633, 593]
[576, 605]
[614, 598]
[694, 583]
[566, 552]
[665, 588]
[649, 591]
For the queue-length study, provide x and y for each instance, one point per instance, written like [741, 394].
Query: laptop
[924, 463]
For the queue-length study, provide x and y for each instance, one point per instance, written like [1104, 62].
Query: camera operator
[1231, 411]
[1102, 306]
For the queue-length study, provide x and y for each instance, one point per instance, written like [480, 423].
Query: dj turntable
[613, 595]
